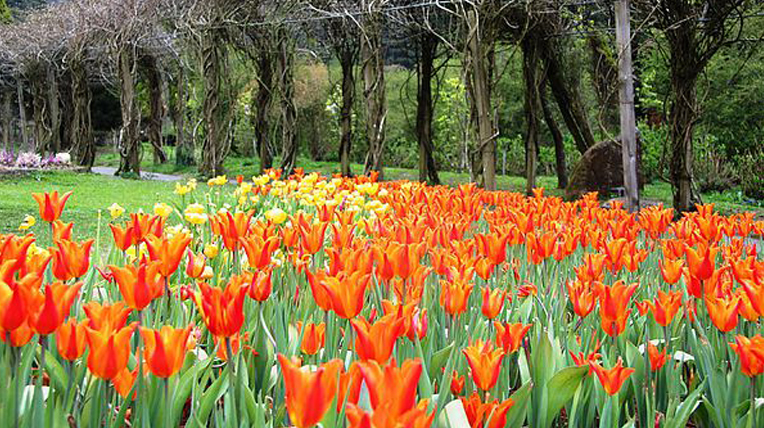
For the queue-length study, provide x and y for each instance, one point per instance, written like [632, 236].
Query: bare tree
[694, 31]
[341, 32]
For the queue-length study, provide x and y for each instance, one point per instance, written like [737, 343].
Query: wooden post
[626, 96]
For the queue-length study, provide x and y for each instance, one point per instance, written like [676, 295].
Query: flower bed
[302, 300]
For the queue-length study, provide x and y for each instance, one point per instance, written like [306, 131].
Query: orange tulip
[71, 339]
[143, 225]
[51, 205]
[235, 341]
[167, 251]
[18, 337]
[585, 360]
[723, 312]
[510, 336]
[671, 270]
[165, 349]
[478, 412]
[493, 301]
[71, 258]
[109, 318]
[346, 293]
[320, 295]
[312, 237]
[457, 383]
[309, 395]
[454, 296]
[755, 293]
[613, 303]
[139, 285]
[124, 381]
[231, 227]
[392, 391]
[222, 309]
[59, 298]
[62, 230]
[109, 352]
[313, 338]
[123, 238]
[259, 250]
[612, 379]
[665, 306]
[657, 358]
[485, 363]
[701, 262]
[261, 286]
[582, 297]
[195, 265]
[376, 342]
[17, 301]
[751, 354]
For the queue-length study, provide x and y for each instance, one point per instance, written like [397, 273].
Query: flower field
[346, 302]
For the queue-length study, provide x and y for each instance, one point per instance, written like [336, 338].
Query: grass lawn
[94, 193]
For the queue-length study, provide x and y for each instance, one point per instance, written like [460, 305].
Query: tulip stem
[16, 403]
[752, 416]
[167, 404]
[139, 392]
[231, 375]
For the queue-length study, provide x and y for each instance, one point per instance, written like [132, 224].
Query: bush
[752, 174]
[713, 171]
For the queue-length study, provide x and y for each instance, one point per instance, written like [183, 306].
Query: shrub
[752, 174]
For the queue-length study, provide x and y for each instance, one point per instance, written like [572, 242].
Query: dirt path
[145, 175]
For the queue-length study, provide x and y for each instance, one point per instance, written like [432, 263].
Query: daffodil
[211, 251]
[217, 181]
[28, 222]
[162, 209]
[276, 215]
[261, 180]
[195, 214]
[115, 210]
[182, 189]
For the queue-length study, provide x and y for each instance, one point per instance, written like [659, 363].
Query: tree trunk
[83, 143]
[54, 111]
[288, 109]
[532, 83]
[346, 112]
[626, 101]
[567, 96]
[373, 69]
[263, 107]
[685, 67]
[37, 80]
[559, 143]
[604, 81]
[156, 106]
[184, 147]
[22, 114]
[5, 119]
[213, 150]
[129, 151]
[67, 108]
[428, 172]
[486, 130]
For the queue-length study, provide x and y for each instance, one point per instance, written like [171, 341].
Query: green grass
[92, 193]
[727, 202]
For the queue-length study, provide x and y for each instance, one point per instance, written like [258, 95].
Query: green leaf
[561, 388]
[516, 413]
[210, 397]
[439, 360]
[685, 410]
